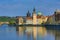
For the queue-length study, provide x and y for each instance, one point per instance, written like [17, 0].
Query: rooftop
[57, 10]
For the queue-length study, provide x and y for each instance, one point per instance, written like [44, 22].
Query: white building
[29, 20]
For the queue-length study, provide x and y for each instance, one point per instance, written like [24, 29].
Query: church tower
[28, 14]
[34, 17]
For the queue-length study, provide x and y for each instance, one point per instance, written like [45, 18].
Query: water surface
[27, 33]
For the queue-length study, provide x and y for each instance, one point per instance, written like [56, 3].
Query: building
[41, 19]
[54, 19]
[51, 19]
[34, 17]
[57, 16]
[44, 19]
[28, 18]
[19, 20]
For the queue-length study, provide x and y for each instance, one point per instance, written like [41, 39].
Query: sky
[20, 7]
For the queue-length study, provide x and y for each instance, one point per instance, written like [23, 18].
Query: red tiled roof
[38, 17]
[29, 18]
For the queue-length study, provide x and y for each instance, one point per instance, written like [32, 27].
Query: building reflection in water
[20, 30]
[29, 33]
[57, 35]
[32, 33]
[41, 33]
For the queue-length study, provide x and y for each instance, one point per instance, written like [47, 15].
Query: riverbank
[38, 25]
[49, 27]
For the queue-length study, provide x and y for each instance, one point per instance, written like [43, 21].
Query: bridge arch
[1, 23]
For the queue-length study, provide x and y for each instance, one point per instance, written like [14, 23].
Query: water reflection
[42, 31]
[32, 32]
[20, 31]
[28, 33]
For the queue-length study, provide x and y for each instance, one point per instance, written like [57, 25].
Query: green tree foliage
[12, 21]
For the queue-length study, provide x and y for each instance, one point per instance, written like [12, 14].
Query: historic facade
[19, 20]
[28, 18]
[57, 16]
[34, 19]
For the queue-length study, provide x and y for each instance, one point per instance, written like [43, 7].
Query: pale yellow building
[44, 19]
[41, 19]
[19, 20]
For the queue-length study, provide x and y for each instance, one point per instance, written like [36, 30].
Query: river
[27, 33]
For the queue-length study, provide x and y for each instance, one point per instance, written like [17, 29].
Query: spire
[34, 10]
[28, 14]
[28, 11]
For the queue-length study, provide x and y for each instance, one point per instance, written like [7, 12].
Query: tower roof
[28, 14]
[28, 11]
[34, 10]
[39, 13]
[28, 18]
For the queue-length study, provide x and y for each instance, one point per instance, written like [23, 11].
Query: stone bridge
[4, 23]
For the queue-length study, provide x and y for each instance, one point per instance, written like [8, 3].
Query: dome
[39, 13]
